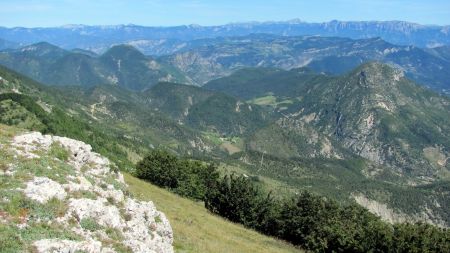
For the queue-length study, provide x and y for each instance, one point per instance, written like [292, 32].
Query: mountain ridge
[323, 54]
[209, 59]
[53, 65]
[398, 32]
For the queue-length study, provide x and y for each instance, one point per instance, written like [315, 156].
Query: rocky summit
[59, 196]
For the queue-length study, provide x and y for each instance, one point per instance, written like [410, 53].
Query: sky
[48, 13]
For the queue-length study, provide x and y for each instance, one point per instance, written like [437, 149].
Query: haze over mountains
[209, 59]
[98, 38]
[121, 65]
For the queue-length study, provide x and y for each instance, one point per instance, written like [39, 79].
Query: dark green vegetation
[43, 109]
[128, 123]
[188, 178]
[369, 110]
[121, 65]
[206, 110]
[320, 224]
[250, 83]
[198, 230]
[328, 124]
[59, 123]
[369, 135]
[307, 220]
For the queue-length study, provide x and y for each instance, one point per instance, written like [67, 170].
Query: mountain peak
[123, 51]
[122, 47]
[376, 74]
[40, 46]
[43, 49]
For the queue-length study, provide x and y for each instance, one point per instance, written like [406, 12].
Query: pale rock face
[82, 154]
[79, 184]
[105, 215]
[144, 229]
[393, 216]
[379, 209]
[27, 144]
[67, 246]
[42, 189]
[143, 215]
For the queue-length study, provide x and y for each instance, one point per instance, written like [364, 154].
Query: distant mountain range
[121, 65]
[209, 59]
[150, 39]
[4, 44]
[324, 54]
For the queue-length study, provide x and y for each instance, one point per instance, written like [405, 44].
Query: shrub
[319, 224]
[420, 237]
[59, 151]
[160, 168]
[185, 177]
[238, 200]
[10, 240]
[89, 224]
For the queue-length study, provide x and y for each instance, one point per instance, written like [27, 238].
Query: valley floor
[197, 230]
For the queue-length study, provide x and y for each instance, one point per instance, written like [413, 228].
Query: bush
[238, 200]
[59, 152]
[160, 168]
[185, 177]
[319, 224]
[420, 238]
[89, 224]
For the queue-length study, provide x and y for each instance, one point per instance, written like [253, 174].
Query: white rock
[120, 178]
[105, 215]
[67, 246]
[116, 195]
[43, 189]
[144, 230]
[83, 185]
[26, 144]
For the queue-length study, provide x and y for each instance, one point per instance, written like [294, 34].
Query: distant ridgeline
[150, 38]
[199, 61]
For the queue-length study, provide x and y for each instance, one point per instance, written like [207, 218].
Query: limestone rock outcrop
[91, 200]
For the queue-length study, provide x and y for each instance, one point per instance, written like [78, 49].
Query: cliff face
[59, 196]
[425, 214]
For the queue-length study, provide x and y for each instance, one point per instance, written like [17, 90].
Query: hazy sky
[33, 13]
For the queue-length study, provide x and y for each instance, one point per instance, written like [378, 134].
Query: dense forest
[310, 221]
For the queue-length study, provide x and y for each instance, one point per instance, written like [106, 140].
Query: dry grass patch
[197, 230]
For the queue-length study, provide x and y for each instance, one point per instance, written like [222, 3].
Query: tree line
[310, 221]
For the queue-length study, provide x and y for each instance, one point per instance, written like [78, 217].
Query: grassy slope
[196, 230]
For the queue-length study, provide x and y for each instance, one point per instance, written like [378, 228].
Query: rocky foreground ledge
[59, 196]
